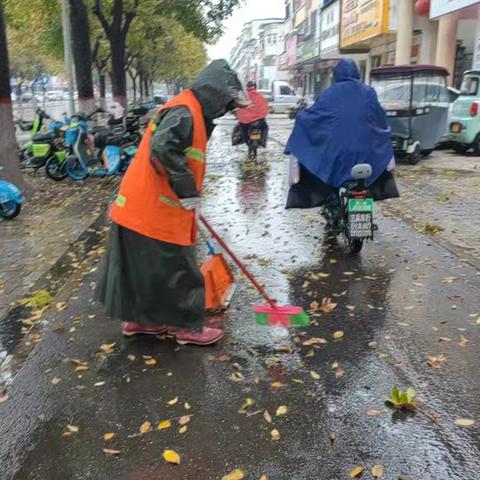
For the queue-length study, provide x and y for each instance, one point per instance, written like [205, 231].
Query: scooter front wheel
[55, 169]
[75, 169]
[10, 210]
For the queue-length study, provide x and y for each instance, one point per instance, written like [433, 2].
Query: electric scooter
[11, 200]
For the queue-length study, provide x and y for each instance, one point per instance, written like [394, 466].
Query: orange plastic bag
[219, 283]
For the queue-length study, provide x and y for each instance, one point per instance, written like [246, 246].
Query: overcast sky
[250, 10]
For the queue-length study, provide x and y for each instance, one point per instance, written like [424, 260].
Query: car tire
[460, 147]
[476, 145]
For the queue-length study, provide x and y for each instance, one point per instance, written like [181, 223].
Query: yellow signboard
[362, 20]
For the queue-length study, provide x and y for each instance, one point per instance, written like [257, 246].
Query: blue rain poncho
[346, 126]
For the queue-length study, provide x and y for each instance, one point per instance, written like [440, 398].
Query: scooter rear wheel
[10, 210]
[355, 245]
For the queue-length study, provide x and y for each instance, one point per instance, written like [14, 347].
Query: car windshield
[469, 86]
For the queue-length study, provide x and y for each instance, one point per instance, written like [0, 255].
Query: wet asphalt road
[403, 299]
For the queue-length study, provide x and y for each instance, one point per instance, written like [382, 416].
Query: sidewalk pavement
[54, 217]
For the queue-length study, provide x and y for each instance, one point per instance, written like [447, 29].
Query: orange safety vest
[146, 203]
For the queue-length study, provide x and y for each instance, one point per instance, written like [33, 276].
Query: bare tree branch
[97, 10]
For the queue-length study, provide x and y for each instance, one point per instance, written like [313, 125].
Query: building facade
[305, 46]
[258, 48]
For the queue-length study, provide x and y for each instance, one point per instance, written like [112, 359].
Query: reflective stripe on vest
[146, 203]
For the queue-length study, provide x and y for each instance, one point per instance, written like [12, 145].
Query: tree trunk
[103, 89]
[82, 55]
[8, 144]
[119, 76]
[140, 83]
[134, 84]
[146, 88]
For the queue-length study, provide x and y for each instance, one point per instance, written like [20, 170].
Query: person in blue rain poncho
[345, 126]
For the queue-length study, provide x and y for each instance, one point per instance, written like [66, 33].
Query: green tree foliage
[35, 36]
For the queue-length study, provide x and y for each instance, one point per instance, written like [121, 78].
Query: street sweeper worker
[151, 281]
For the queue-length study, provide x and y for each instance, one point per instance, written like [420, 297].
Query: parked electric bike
[349, 212]
[87, 159]
[11, 200]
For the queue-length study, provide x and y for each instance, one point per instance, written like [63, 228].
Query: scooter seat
[43, 137]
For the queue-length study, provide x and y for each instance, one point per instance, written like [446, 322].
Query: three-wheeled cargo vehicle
[416, 100]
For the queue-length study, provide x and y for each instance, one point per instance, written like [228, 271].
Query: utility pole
[67, 45]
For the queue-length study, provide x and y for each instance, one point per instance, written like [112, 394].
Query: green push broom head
[281, 316]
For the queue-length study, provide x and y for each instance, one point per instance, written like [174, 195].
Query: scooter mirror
[362, 171]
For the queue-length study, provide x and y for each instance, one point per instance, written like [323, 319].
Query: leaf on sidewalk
[436, 362]
[237, 474]
[377, 471]
[39, 300]
[275, 434]
[246, 405]
[73, 428]
[184, 420]
[464, 422]
[164, 425]
[108, 436]
[171, 456]
[60, 306]
[267, 416]
[356, 472]
[327, 305]
[277, 385]
[150, 362]
[173, 401]
[109, 451]
[146, 427]
[314, 341]
[338, 335]
[315, 375]
[281, 411]
[108, 347]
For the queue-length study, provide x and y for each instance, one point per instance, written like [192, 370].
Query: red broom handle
[240, 265]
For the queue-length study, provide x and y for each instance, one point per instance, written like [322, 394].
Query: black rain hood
[219, 90]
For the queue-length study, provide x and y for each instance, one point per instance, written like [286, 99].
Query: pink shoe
[130, 328]
[207, 336]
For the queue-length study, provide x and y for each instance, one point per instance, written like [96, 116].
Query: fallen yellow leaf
[187, 406]
[248, 403]
[150, 362]
[146, 427]
[282, 410]
[315, 341]
[315, 375]
[183, 429]
[356, 472]
[338, 335]
[56, 380]
[263, 477]
[108, 436]
[164, 425]
[267, 416]
[277, 384]
[72, 428]
[173, 401]
[108, 347]
[61, 306]
[464, 422]
[235, 475]
[275, 434]
[171, 456]
[81, 368]
[377, 471]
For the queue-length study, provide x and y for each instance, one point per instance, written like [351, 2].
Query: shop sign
[306, 50]
[442, 7]
[330, 32]
[363, 20]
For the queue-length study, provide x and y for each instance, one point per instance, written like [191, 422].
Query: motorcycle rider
[346, 126]
[255, 113]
